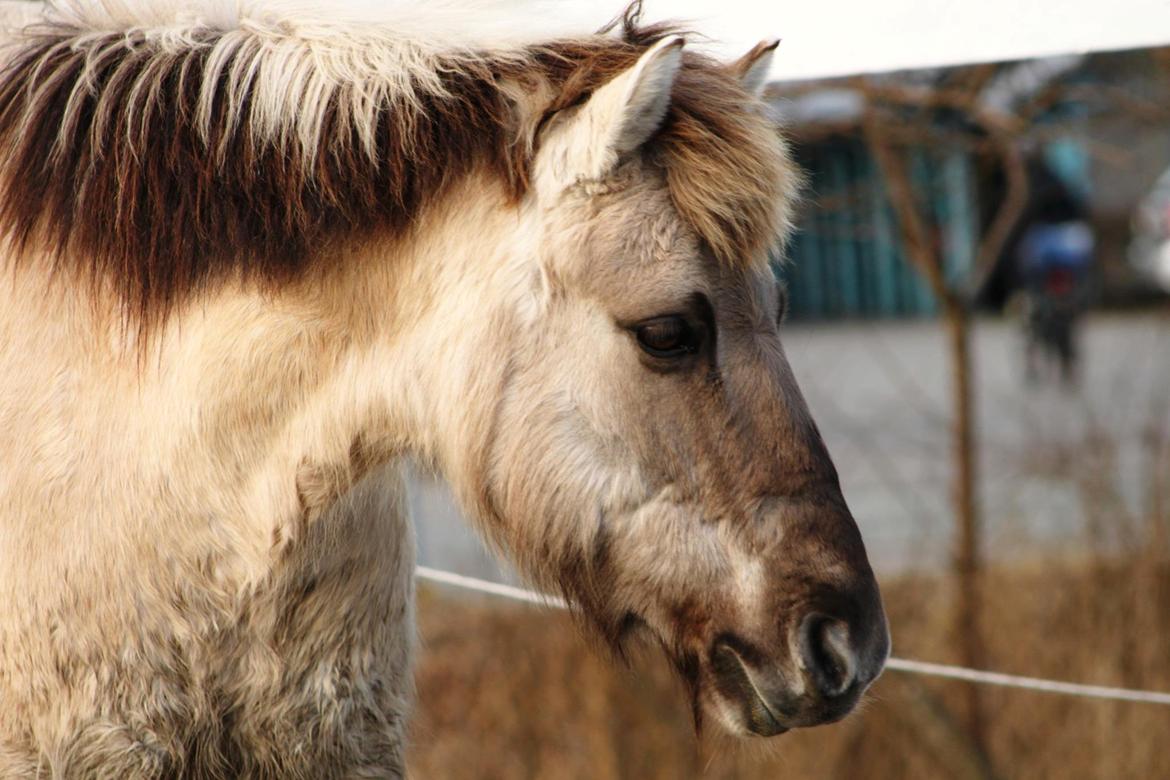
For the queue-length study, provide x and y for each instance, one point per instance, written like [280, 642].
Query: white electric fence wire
[494, 588]
[897, 664]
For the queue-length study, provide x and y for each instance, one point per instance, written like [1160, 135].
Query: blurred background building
[1096, 143]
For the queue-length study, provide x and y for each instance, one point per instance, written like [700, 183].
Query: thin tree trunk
[967, 557]
[923, 254]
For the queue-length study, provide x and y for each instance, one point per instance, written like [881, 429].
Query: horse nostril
[828, 658]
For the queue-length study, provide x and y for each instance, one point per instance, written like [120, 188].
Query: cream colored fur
[153, 514]
[147, 511]
[205, 563]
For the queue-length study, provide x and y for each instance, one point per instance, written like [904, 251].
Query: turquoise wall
[845, 259]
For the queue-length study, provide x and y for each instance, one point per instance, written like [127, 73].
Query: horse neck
[460, 291]
[246, 392]
[400, 350]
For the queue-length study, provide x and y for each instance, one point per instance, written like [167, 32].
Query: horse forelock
[163, 157]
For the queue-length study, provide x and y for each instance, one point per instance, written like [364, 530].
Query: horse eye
[667, 337]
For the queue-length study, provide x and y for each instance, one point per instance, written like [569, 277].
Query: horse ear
[752, 68]
[644, 96]
[623, 114]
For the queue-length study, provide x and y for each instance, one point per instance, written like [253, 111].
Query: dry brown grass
[509, 691]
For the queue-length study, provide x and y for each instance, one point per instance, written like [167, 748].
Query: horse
[257, 257]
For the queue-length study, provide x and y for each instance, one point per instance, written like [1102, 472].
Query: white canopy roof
[824, 38]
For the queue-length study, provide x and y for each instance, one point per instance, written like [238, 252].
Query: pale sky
[839, 37]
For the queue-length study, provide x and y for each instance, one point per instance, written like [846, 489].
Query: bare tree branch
[1008, 214]
[916, 238]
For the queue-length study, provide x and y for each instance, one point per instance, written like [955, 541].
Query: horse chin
[764, 701]
[745, 711]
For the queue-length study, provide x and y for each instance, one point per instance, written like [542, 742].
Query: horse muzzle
[828, 666]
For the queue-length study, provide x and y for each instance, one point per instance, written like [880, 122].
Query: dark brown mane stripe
[167, 215]
[143, 199]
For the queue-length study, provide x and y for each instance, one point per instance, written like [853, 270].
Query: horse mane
[164, 152]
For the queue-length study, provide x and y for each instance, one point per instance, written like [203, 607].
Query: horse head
[650, 453]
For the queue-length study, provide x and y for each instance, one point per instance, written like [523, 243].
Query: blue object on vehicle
[1062, 245]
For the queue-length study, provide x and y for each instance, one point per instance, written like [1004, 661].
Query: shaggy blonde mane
[164, 149]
